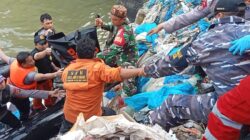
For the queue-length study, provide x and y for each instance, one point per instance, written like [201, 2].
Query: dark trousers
[23, 105]
[11, 120]
[66, 125]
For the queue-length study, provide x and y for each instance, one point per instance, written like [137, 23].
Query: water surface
[19, 20]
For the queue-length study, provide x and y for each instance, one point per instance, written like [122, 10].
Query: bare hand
[48, 51]
[142, 72]
[98, 22]
[47, 32]
[154, 31]
[59, 72]
[57, 93]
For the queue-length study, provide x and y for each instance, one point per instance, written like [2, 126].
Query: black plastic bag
[64, 46]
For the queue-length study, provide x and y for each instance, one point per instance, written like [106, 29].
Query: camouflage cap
[119, 11]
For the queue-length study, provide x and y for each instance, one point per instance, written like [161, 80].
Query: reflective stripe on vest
[208, 135]
[225, 120]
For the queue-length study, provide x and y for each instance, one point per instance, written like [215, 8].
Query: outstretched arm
[130, 73]
[41, 94]
[186, 19]
[6, 58]
[41, 77]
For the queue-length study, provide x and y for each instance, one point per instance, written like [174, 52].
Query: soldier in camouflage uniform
[120, 49]
[210, 51]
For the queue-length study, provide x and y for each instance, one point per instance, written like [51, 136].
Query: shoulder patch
[120, 39]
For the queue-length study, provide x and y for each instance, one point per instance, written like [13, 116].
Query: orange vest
[18, 74]
[84, 83]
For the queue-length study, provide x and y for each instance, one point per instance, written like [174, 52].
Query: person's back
[84, 81]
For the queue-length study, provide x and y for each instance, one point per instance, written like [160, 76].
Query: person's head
[2, 82]
[247, 2]
[25, 60]
[118, 15]
[85, 48]
[40, 42]
[46, 21]
[230, 8]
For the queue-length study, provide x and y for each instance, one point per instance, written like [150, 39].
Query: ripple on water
[13, 31]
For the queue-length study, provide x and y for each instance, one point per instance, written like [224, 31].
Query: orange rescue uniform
[84, 82]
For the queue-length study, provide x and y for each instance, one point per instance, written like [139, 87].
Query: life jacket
[18, 74]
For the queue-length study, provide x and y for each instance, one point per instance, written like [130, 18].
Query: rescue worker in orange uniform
[23, 75]
[42, 56]
[84, 82]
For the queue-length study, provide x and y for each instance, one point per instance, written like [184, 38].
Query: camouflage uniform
[210, 51]
[120, 50]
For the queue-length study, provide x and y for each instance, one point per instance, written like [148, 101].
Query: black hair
[22, 56]
[45, 16]
[85, 48]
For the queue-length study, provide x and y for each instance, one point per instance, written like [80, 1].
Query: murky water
[19, 19]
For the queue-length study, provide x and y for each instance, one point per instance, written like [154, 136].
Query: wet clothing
[230, 113]
[84, 82]
[44, 66]
[120, 50]
[210, 51]
[205, 9]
